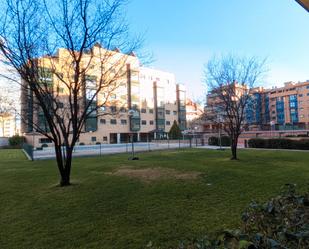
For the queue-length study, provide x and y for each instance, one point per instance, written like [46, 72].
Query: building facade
[279, 108]
[153, 95]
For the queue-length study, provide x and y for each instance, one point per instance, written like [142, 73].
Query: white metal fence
[104, 149]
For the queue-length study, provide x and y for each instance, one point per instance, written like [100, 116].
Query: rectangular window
[45, 141]
[60, 105]
[300, 95]
[144, 122]
[102, 121]
[150, 110]
[168, 123]
[113, 121]
[123, 121]
[104, 139]
[93, 139]
[123, 109]
[168, 112]
[143, 110]
[151, 122]
[113, 108]
[175, 112]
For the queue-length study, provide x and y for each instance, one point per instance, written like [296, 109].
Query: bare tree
[229, 80]
[67, 55]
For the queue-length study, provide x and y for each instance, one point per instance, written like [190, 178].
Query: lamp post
[131, 114]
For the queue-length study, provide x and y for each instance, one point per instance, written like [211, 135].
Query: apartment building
[279, 108]
[8, 125]
[289, 105]
[153, 95]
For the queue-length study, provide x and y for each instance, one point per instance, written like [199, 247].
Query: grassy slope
[104, 211]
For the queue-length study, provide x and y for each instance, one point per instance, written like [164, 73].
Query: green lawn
[108, 211]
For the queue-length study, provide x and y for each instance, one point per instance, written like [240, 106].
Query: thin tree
[60, 84]
[229, 80]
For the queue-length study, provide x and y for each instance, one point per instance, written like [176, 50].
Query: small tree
[175, 132]
[229, 80]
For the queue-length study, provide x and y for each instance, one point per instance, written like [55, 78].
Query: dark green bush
[279, 143]
[44, 145]
[16, 140]
[82, 143]
[213, 141]
[257, 143]
[225, 141]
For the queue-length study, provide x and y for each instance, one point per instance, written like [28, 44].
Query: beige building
[153, 95]
[8, 125]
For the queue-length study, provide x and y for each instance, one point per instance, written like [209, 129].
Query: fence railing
[104, 149]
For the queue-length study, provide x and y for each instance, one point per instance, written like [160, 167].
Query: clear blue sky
[184, 34]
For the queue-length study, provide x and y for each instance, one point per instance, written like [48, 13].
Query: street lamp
[131, 114]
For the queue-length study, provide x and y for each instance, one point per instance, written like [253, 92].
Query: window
[174, 112]
[104, 139]
[93, 139]
[60, 105]
[307, 87]
[123, 121]
[151, 122]
[123, 109]
[143, 110]
[168, 123]
[307, 94]
[168, 112]
[45, 141]
[150, 110]
[60, 89]
[300, 95]
[113, 108]
[113, 96]
[102, 121]
[144, 122]
[113, 121]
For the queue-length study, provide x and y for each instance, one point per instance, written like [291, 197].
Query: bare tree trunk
[63, 169]
[234, 143]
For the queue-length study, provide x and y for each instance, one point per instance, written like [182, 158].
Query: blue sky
[184, 34]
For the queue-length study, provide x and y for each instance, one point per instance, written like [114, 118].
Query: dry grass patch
[153, 174]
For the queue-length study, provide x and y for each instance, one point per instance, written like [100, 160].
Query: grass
[109, 211]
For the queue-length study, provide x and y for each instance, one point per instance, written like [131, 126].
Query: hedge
[279, 143]
[225, 141]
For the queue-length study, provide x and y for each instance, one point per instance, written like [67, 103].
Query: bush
[97, 143]
[16, 140]
[44, 146]
[279, 143]
[82, 143]
[213, 141]
[225, 141]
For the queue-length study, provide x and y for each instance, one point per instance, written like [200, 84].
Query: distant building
[153, 94]
[8, 125]
[279, 108]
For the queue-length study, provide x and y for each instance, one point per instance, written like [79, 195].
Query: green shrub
[279, 143]
[82, 143]
[257, 143]
[225, 141]
[97, 143]
[16, 140]
[213, 141]
[44, 145]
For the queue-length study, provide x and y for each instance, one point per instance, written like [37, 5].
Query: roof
[304, 3]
